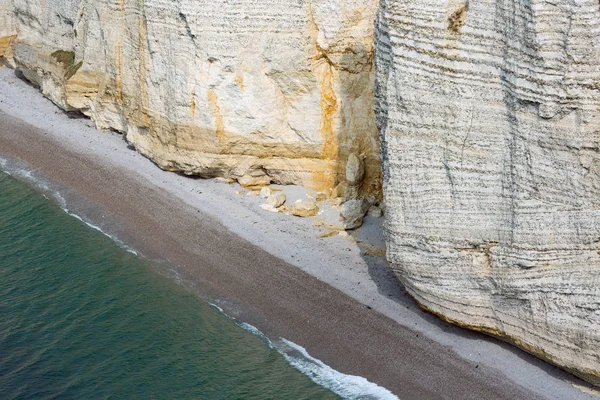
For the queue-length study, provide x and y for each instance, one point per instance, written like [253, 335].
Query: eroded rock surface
[214, 88]
[489, 113]
[8, 32]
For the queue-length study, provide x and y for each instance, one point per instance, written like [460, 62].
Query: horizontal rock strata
[489, 113]
[281, 89]
[8, 32]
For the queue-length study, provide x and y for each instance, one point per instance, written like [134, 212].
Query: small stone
[276, 200]
[343, 234]
[253, 193]
[375, 212]
[239, 192]
[353, 212]
[254, 182]
[305, 208]
[266, 192]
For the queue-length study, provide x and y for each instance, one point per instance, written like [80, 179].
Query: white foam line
[349, 387]
[217, 307]
[255, 331]
[96, 228]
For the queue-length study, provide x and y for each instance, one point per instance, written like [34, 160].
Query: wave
[349, 387]
[14, 169]
[97, 228]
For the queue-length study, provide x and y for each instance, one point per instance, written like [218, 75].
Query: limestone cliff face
[8, 32]
[275, 90]
[489, 114]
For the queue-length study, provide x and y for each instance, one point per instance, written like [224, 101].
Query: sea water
[84, 318]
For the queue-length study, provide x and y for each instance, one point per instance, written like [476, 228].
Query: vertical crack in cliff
[144, 45]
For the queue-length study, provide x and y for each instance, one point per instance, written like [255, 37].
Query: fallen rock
[254, 182]
[266, 192]
[353, 212]
[276, 200]
[305, 208]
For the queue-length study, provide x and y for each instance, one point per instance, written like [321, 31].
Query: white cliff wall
[277, 90]
[489, 114]
[8, 32]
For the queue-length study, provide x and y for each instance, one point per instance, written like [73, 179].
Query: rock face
[489, 114]
[8, 31]
[213, 88]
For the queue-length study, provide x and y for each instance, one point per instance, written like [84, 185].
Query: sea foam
[14, 169]
[349, 387]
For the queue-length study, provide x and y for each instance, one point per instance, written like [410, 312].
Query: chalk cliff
[272, 90]
[8, 32]
[489, 113]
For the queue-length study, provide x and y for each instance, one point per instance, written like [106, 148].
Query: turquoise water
[82, 318]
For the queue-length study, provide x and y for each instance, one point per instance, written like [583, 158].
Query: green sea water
[82, 318]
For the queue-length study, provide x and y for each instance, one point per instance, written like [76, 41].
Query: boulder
[250, 182]
[276, 200]
[353, 212]
[305, 208]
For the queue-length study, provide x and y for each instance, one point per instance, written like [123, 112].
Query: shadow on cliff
[76, 114]
[371, 242]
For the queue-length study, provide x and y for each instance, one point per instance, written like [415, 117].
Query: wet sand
[387, 340]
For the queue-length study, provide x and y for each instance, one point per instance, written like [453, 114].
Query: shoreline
[266, 269]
